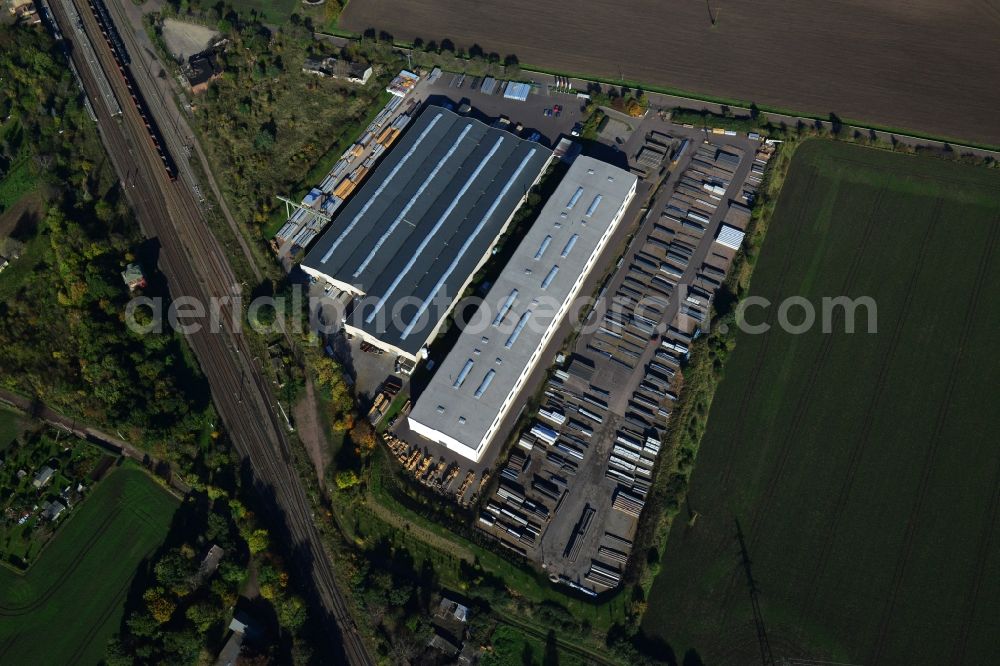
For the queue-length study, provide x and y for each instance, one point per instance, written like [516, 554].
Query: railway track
[196, 266]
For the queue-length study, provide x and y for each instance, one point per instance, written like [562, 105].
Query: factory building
[476, 385]
[407, 244]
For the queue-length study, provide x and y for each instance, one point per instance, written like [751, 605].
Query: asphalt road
[196, 266]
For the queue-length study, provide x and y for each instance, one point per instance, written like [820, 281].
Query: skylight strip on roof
[413, 200]
[573, 199]
[543, 247]
[468, 242]
[485, 384]
[437, 227]
[388, 179]
[466, 369]
[593, 205]
[521, 323]
[569, 245]
[505, 308]
[550, 277]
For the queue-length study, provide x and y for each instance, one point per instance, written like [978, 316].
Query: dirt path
[79, 429]
[430, 538]
[311, 431]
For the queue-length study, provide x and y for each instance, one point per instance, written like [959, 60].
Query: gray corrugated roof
[425, 218]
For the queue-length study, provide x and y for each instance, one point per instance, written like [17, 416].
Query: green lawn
[863, 468]
[273, 12]
[70, 602]
[23, 267]
[17, 182]
[511, 647]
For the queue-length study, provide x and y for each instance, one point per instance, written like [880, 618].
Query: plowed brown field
[929, 66]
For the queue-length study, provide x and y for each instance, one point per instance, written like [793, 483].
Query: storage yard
[873, 537]
[571, 491]
[936, 76]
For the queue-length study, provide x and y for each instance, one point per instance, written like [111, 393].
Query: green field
[70, 602]
[863, 468]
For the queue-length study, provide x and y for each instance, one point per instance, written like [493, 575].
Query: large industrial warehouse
[410, 241]
[475, 386]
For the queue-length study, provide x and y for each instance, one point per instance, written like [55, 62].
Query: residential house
[202, 68]
[134, 277]
[43, 477]
[240, 626]
[52, 510]
[209, 564]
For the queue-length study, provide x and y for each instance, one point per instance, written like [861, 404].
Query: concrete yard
[184, 39]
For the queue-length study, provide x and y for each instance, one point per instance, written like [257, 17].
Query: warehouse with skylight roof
[408, 243]
[476, 385]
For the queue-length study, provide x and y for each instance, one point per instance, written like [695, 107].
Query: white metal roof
[730, 237]
[517, 91]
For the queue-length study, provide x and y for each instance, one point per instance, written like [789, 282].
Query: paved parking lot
[530, 113]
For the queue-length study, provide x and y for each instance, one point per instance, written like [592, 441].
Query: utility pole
[766, 658]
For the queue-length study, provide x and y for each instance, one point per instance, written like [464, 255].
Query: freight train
[122, 59]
